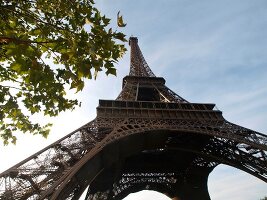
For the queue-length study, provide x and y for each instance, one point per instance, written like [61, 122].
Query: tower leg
[193, 188]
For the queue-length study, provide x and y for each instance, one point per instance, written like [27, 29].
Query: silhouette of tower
[148, 138]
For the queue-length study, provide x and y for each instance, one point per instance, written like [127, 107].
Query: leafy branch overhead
[72, 35]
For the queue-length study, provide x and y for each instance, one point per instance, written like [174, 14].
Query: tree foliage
[265, 198]
[71, 33]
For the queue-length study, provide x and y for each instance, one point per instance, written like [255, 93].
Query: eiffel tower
[148, 138]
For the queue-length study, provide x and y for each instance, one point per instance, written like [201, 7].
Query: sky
[208, 51]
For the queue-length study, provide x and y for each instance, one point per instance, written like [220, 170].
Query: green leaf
[111, 71]
[77, 84]
[16, 66]
[105, 20]
[120, 20]
[120, 36]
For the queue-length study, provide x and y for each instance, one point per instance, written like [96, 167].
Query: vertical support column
[194, 187]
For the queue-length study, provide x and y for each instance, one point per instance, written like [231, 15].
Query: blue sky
[208, 51]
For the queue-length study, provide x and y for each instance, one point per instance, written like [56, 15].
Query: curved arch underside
[142, 161]
[97, 151]
[179, 145]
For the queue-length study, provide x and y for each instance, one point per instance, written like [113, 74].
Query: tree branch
[10, 79]
[32, 16]
[13, 87]
[5, 40]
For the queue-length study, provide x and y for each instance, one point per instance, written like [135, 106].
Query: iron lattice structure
[148, 138]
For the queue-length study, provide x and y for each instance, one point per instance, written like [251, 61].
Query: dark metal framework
[148, 138]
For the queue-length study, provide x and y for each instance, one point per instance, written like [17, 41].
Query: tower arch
[138, 151]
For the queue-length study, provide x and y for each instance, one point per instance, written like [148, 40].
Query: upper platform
[141, 84]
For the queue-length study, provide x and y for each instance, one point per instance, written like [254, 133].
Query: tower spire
[138, 64]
